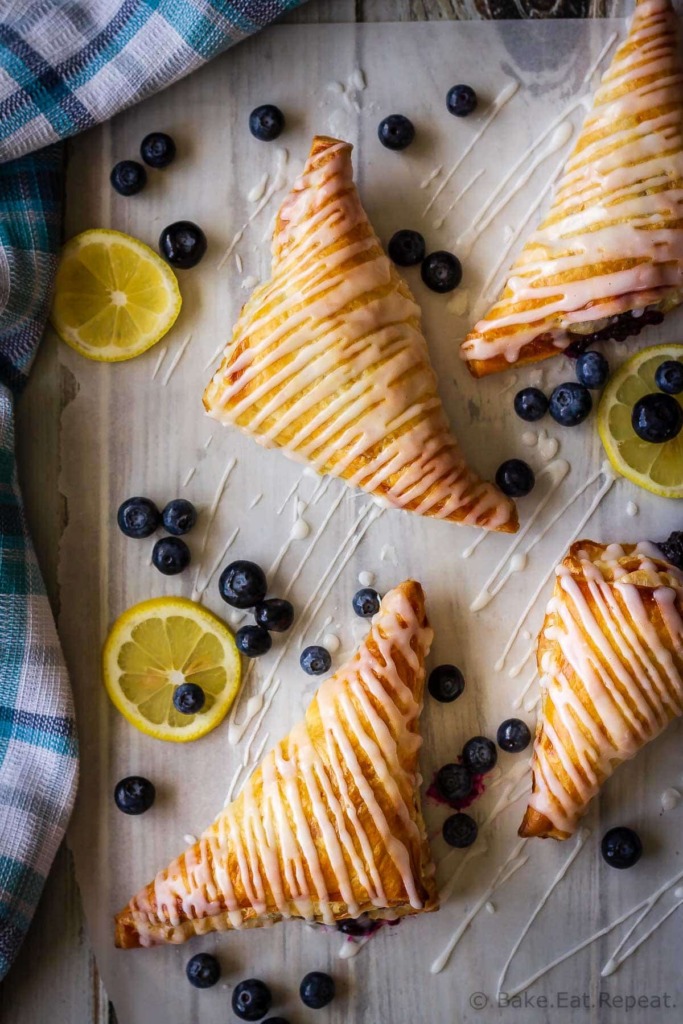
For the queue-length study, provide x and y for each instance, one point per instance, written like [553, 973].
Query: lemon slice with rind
[157, 645]
[114, 297]
[655, 467]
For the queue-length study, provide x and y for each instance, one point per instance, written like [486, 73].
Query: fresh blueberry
[570, 404]
[275, 614]
[203, 970]
[251, 999]
[366, 602]
[182, 244]
[531, 404]
[669, 377]
[461, 100]
[513, 735]
[446, 683]
[179, 516]
[592, 370]
[170, 555]
[357, 926]
[189, 699]
[315, 660]
[621, 847]
[441, 271]
[657, 418]
[134, 794]
[515, 478]
[243, 584]
[138, 517]
[672, 548]
[460, 830]
[157, 149]
[479, 755]
[453, 782]
[316, 990]
[128, 177]
[396, 132]
[253, 641]
[266, 122]
[406, 248]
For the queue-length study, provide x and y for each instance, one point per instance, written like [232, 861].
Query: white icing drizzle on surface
[388, 553]
[199, 588]
[556, 472]
[176, 359]
[628, 156]
[249, 282]
[189, 839]
[213, 508]
[501, 101]
[609, 680]
[547, 446]
[254, 501]
[611, 40]
[519, 699]
[238, 263]
[300, 529]
[471, 548]
[439, 222]
[295, 372]
[579, 844]
[256, 192]
[332, 642]
[512, 863]
[278, 182]
[631, 509]
[188, 476]
[645, 904]
[434, 173]
[366, 579]
[558, 135]
[213, 357]
[606, 471]
[159, 360]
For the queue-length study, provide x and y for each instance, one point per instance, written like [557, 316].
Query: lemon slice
[114, 297]
[157, 645]
[655, 467]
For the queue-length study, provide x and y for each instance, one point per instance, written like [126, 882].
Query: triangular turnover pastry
[328, 360]
[329, 825]
[610, 658]
[608, 257]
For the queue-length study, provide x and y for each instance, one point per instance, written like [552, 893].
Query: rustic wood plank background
[56, 977]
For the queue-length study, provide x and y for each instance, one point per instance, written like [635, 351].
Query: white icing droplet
[238, 263]
[257, 191]
[189, 839]
[678, 893]
[529, 438]
[526, 635]
[670, 798]
[632, 509]
[518, 562]
[332, 642]
[249, 282]
[460, 302]
[300, 530]
[489, 907]
[366, 579]
[547, 446]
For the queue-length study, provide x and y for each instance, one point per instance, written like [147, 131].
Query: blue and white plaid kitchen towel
[65, 65]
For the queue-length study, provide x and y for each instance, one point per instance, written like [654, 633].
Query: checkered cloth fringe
[63, 67]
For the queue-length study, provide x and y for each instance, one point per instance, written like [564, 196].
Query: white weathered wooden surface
[165, 444]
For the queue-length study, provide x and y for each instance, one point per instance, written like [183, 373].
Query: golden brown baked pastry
[329, 363]
[329, 825]
[610, 657]
[608, 258]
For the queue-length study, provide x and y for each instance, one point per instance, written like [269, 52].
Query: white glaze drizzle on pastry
[610, 673]
[619, 202]
[368, 714]
[329, 363]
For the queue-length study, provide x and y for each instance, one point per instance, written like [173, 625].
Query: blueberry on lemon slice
[114, 297]
[158, 647]
[642, 443]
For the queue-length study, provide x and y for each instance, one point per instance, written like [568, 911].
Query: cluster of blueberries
[441, 271]
[139, 518]
[243, 585]
[183, 243]
[656, 417]
[252, 999]
[456, 784]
